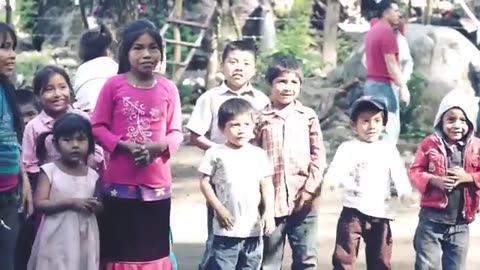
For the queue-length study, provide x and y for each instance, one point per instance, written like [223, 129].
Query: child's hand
[85, 205]
[27, 200]
[269, 226]
[98, 207]
[156, 149]
[442, 183]
[304, 198]
[459, 175]
[129, 146]
[141, 155]
[404, 94]
[225, 218]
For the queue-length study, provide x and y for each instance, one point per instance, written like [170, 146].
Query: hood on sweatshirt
[457, 99]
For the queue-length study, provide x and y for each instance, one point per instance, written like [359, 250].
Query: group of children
[137, 125]
[261, 175]
[254, 147]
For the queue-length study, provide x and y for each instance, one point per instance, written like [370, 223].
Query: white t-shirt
[204, 118]
[236, 175]
[89, 81]
[365, 171]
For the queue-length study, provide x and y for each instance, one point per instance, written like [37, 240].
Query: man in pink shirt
[384, 76]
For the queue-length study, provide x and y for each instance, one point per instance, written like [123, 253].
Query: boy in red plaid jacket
[291, 135]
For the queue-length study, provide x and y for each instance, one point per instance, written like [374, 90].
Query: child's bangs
[69, 129]
[71, 124]
[134, 36]
[43, 76]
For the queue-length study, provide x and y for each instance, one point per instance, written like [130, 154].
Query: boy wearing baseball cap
[365, 167]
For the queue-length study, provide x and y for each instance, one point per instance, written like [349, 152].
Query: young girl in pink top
[52, 85]
[138, 121]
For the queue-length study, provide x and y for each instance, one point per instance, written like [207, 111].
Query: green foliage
[27, 10]
[27, 65]
[294, 38]
[411, 126]
[187, 34]
[344, 49]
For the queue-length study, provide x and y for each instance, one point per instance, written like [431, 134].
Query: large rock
[444, 57]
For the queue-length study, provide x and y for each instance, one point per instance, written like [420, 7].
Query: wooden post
[177, 54]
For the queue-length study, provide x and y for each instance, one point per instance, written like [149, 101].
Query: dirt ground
[189, 223]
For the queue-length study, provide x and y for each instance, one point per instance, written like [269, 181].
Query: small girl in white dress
[68, 237]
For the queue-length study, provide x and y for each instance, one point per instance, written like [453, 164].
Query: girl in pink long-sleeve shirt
[137, 120]
[52, 85]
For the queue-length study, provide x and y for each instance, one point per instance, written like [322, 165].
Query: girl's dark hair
[9, 88]
[94, 43]
[5, 30]
[130, 34]
[43, 75]
[65, 126]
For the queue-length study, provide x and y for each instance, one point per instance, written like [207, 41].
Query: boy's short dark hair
[368, 104]
[231, 108]
[281, 63]
[238, 45]
[25, 96]
[383, 6]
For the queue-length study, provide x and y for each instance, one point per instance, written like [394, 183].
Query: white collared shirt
[204, 118]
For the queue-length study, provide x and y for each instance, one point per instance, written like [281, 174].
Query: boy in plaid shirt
[291, 135]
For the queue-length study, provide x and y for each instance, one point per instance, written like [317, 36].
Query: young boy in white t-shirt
[365, 167]
[240, 174]
[238, 67]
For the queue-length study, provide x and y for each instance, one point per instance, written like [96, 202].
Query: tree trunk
[83, 14]
[213, 59]
[8, 12]
[427, 19]
[330, 34]
[268, 30]
[127, 11]
[177, 53]
[228, 23]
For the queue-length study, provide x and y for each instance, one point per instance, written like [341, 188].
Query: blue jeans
[208, 245]
[230, 253]
[8, 234]
[301, 230]
[439, 244]
[386, 91]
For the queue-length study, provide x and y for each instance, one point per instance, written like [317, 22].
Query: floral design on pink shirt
[138, 129]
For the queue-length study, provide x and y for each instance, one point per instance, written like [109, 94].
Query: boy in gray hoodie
[446, 171]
